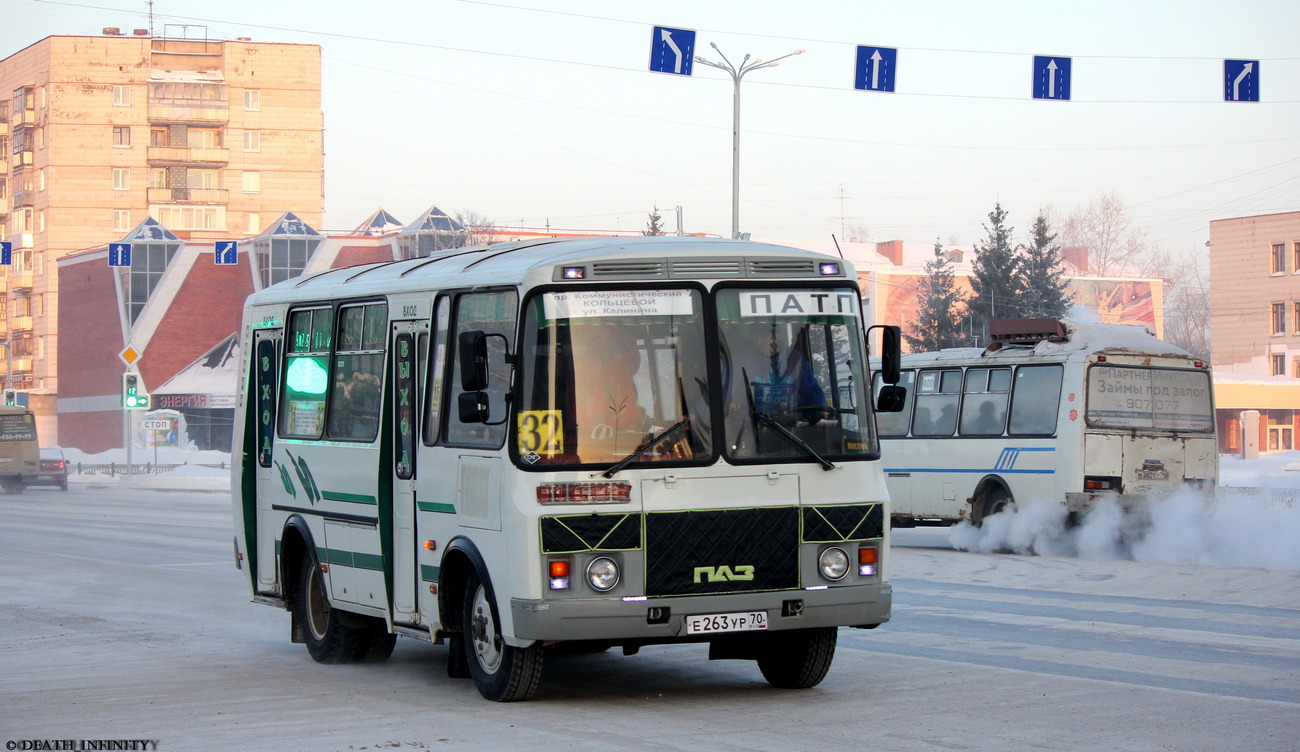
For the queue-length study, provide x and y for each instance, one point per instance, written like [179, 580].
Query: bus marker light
[433, 589]
[867, 560]
[324, 568]
[559, 574]
[829, 269]
[574, 272]
[430, 545]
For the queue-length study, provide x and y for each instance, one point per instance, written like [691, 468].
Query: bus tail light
[558, 573]
[1100, 483]
[585, 492]
[868, 561]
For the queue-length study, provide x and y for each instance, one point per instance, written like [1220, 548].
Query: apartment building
[97, 133]
[1255, 324]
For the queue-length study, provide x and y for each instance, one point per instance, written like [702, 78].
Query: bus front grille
[722, 551]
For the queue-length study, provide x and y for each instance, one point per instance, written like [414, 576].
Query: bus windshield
[603, 370]
[793, 375]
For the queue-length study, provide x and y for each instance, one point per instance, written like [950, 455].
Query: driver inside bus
[778, 377]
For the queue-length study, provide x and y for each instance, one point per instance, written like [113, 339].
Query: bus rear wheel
[501, 673]
[995, 500]
[334, 636]
[798, 659]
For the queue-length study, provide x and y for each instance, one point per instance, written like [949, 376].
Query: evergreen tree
[655, 224]
[1045, 294]
[996, 276]
[939, 307]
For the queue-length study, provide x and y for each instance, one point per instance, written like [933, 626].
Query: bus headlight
[602, 574]
[834, 563]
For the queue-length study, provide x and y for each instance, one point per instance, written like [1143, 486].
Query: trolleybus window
[437, 370]
[984, 408]
[937, 394]
[895, 424]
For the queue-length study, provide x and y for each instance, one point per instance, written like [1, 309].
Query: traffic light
[133, 396]
[11, 396]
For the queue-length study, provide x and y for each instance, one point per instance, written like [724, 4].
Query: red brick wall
[352, 255]
[90, 333]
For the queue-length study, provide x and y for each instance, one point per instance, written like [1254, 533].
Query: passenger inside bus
[777, 377]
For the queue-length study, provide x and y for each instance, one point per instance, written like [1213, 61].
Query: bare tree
[479, 229]
[1115, 246]
[1187, 307]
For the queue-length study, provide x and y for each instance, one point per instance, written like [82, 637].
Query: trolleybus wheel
[800, 658]
[328, 639]
[502, 673]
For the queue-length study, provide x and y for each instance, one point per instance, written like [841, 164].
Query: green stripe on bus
[433, 506]
[428, 573]
[339, 557]
[350, 498]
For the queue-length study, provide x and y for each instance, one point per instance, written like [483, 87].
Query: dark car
[54, 469]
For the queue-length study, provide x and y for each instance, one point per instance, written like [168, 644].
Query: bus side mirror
[473, 362]
[891, 399]
[472, 407]
[891, 355]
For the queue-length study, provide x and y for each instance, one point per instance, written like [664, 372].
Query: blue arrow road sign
[1051, 77]
[119, 254]
[875, 70]
[672, 50]
[6, 253]
[227, 252]
[1241, 80]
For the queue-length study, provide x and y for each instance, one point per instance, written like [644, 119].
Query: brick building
[210, 138]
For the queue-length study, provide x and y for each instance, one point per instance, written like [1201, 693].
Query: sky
[545, 114]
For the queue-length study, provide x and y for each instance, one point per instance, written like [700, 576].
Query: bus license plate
[741, 622]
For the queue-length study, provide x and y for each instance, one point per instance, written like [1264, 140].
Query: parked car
[54, 469]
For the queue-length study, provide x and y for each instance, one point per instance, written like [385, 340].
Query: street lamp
[737, 73]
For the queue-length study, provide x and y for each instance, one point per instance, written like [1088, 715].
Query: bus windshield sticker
[540, 432]
[800, 303]
[618, 303]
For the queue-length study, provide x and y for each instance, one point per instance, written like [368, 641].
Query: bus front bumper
[664, 619]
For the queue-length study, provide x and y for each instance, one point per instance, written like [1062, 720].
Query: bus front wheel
[800, 658]
[501, 673]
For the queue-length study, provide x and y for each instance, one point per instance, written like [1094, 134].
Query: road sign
[1241, 80]
[875, 69]
[6, 253]
[672, 50]
[119, 254]
[1051, 77]
[129, 355]
[227, 252]
[153, 424]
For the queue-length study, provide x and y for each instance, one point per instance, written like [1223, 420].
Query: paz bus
[20, 452]
[565, 445]
[1066, 411]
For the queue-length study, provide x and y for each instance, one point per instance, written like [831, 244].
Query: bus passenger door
[265, 395]
[405, 374]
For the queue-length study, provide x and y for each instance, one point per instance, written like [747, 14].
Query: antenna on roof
[837, 245]
[150, 4]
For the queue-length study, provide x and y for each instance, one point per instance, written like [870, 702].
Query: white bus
[1060, 410]
[603, 442]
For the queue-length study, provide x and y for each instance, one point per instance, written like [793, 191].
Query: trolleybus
[1065, 411]
[586, 443]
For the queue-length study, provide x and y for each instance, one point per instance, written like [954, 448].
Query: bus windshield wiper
[780, 430]
[650, 443]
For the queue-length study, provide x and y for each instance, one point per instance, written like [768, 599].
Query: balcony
[188, 112]
[188, 195]
[20, 323]
[22, 159]
[188, 155]
[22, 365]
[20, 281]
[22, 240]
[4, 327]
[23, 118]
[24, 199]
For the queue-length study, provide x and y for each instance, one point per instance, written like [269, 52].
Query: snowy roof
[433, 220]
[379, 223]
[150, 229]
[1109, 338]
[213, 374]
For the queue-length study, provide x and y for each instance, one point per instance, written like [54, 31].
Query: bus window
[937, 394]
[984, 407]
[1034, 400]
[306, 373]
[358, 370]
[492, 313]
[437, 371]
[895, 424]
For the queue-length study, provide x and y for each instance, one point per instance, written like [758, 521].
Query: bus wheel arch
[992, 495]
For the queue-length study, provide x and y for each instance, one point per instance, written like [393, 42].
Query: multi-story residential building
[210, 138]
[1255, 323]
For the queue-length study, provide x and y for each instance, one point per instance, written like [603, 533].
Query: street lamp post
[737, 73]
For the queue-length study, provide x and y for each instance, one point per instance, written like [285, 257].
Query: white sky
[544, 112]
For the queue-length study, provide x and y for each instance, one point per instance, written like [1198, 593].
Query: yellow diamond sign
[129, 356]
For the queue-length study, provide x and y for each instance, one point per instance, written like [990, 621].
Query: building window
[252, 223]
[1279, 318]
[1278, 361]
[252, 140]
[1296, 265]
[159, 177]
[159, 137]
[40, 220]
[1279, 258]
[121, 220]
[40, 179]
[122, 96]
[1296, 328]
[121, 135]
[200, 179]
[121, 178]
[203, 138]
[252, 99]
[252, 182]
[180, 217]
[1295, 368]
